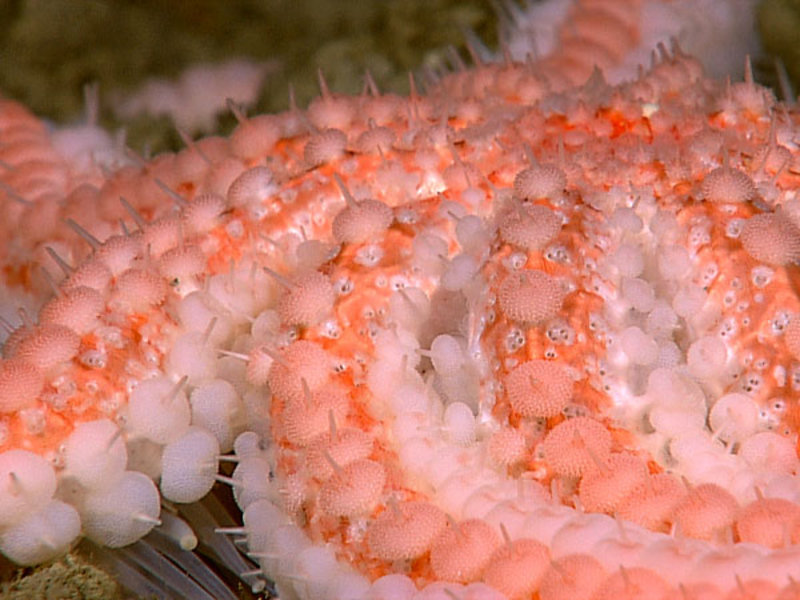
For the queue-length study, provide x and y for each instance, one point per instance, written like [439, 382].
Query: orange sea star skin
[351, 253]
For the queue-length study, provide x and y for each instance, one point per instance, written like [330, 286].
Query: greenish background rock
[779, 26]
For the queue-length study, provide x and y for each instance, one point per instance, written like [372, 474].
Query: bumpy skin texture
[643, 266]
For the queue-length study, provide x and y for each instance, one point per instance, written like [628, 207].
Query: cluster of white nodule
[103, 484]
[94, 493]
[673, 367]
[35, 526]
[108, 479]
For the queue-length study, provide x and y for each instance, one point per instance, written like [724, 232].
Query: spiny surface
[358, 374]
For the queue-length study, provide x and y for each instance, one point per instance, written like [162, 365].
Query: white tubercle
[27, 483]
[123, 513]
[393, 587]
[95, 454]
[192, 356]
[189, 465]
[43, 535]
[251, 481]
[216, 406]
[158, 410]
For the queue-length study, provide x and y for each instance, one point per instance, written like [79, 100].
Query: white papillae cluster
[512, 338]
[199, 94]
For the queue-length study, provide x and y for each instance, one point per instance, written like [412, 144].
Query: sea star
[447, 338]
